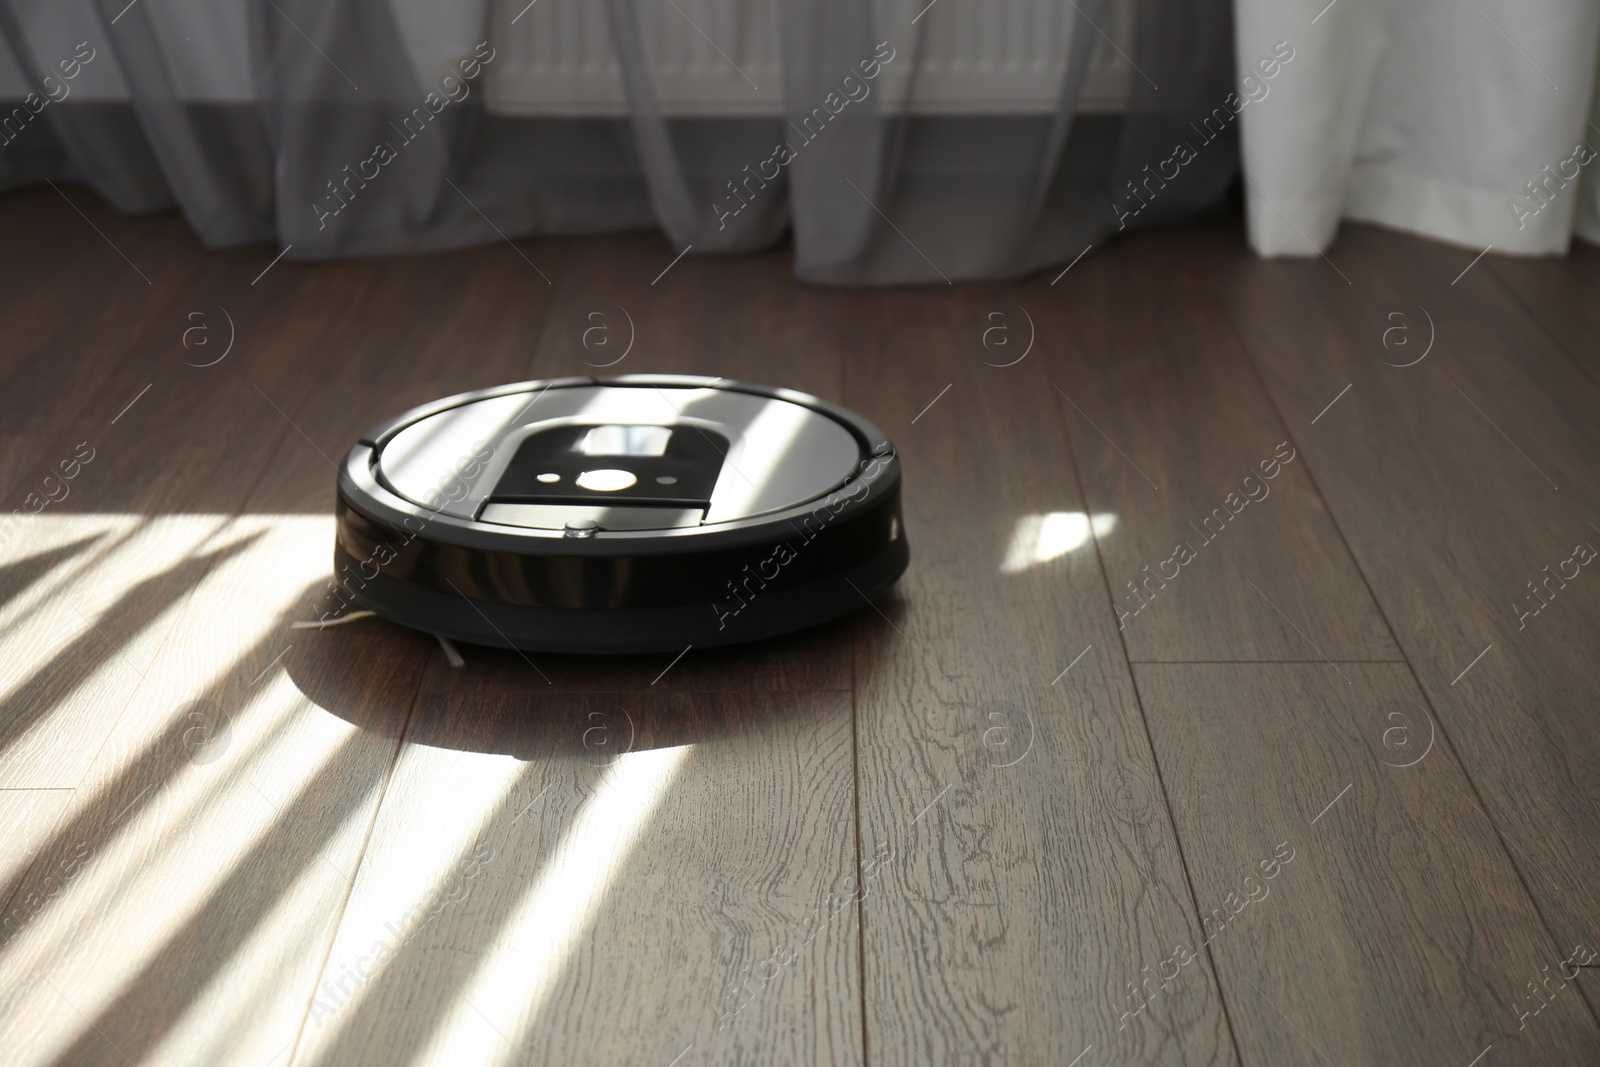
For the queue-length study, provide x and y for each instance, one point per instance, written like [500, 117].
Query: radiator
[554, 57]
[721, 57]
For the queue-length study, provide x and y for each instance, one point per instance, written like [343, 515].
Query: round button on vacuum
[607, 480]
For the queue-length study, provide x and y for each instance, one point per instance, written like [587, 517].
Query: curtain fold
[97, 142]
[366, 127]
[216, 161]
[1471, 122]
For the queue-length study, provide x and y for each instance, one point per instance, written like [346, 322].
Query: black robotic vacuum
[639, 513]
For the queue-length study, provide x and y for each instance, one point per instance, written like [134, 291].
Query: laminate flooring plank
[1457, 480]
[531, 896]
[72, 309]
[737, 317]
[1222, 549]
[1586, 983]
[164, 455]
[171, 469]
[1003, 760]
[34, 222]
[1359, 905]
[61, 243]
[229, 812]
[27, 817]
[1560, 293]
[217, 830]
[119, 601]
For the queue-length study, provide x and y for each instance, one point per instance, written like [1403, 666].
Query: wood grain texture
[163, 480]
[85, 632]
[219, 431]
[212, 837]
[1223, 548]
[27, 817]
[1399, 931]
[1036, 869]
[536, 891]
[222, 825]
[166, 452]
[60, 347]
[1559, 293]
[1587, 983]
[331, 847]
[1457, 480]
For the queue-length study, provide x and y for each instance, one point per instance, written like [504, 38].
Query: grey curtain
[319, 134]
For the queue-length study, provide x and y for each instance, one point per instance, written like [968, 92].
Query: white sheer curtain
[1470, 121]
[897, 141]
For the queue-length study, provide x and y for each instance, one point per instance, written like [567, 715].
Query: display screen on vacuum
[669, 466]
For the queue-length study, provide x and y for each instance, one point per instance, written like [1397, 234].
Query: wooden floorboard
[1222, 548]
[1358, 910]
[1457, 480]
[220, 825]
[1560, 294]
[1539, 991]
[533, 894]
[958, 826]
[160, 481]
[27, 817]
[1020, 803]
[246, 752]
[60, 347]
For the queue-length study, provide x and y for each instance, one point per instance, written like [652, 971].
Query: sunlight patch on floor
[510, 987]
[172, 825]
[88, 633]
[1038, 539]
[419, 882]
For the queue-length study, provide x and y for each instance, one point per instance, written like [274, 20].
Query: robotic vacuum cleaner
[640, 513]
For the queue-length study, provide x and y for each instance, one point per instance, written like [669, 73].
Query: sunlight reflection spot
[1038, 539]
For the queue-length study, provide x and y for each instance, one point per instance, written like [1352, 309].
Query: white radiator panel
[555, 57]
[721, 57]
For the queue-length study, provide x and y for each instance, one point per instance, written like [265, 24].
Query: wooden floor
[1239, 705]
